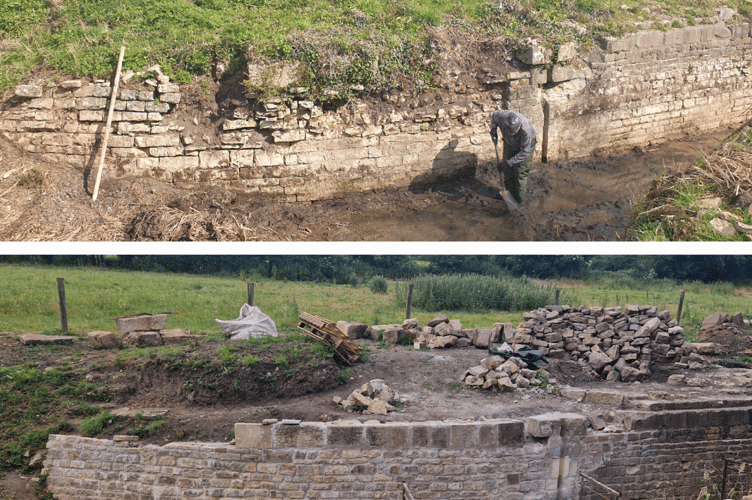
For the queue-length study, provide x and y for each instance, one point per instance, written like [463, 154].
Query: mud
[575, 201]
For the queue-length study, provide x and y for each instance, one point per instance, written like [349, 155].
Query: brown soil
[571, 202]
[196, 398]
[733, 340]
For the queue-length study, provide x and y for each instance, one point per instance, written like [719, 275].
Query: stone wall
[641, 89]
[667, 454]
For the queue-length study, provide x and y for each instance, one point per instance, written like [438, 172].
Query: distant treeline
[352, 269]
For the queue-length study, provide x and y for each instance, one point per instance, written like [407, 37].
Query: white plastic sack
[251, 323]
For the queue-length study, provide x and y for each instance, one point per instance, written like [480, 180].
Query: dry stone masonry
[666, 451]
[636, 90]
[617, 343]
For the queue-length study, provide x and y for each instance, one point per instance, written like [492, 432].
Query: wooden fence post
[556, 300]
[409, 300]
[63, 307]
[251, 290]
[681, 304]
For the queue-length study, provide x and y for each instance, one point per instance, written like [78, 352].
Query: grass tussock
[675, 209]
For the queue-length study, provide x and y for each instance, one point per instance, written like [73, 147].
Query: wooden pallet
[325, 331]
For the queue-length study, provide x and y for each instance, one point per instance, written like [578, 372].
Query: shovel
[505, 194]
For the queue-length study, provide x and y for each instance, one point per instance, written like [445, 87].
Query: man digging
[519, 140]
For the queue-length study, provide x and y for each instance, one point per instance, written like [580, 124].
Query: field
[29, 300]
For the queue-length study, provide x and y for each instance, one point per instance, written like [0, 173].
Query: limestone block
[253, 436]
[715, 319]
[71, 84]
[266, 159]
[352, 329]
[566, 52]
[456, 326]
[101, 90]
[91, 103]
[102, 340]
[39, 339]
[574, 71]
[28, 91]
[214, 159]
[141, 339]
[344, 433]
[393, 334]
[41, 103]
[161, 152]
[303, 435]
[145, 95]
[443, 341]
[178, 163]
[605, 397]
[296, 135]
[158, 141]
[534, 55]
[168, 88]
[443, 329]
[141, 322]
[175, 335]
[543, 426]
[139, 106]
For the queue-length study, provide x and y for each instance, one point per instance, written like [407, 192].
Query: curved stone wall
[668, 453]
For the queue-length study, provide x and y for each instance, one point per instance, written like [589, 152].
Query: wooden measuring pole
[63, 307]
[106, 138]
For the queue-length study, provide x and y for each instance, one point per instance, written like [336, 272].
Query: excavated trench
[566, 201]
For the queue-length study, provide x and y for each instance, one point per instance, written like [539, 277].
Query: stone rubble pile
[507, 375]
[139, 330]
[373, 398]
[618, 344]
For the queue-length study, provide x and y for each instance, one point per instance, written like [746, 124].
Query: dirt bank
[582, 201]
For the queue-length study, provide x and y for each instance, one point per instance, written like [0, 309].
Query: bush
[378, 284]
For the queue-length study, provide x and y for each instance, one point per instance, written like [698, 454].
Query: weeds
[93, 426]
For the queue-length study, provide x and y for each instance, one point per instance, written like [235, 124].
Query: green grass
[28, 303]
[82, 38]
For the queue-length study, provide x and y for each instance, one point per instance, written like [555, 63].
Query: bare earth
[585, 201]
[427, 383]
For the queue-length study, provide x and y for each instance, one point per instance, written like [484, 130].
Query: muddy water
[573, 201]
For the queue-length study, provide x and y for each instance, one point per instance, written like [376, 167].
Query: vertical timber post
[251, 291]
[681, 304]
[409, 300]
[556, 299]
[63, 307]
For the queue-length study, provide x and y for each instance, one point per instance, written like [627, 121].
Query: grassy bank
[29, 299]
[676, 209]
[368, 43]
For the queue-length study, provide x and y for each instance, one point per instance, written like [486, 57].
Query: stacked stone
[506, 375]
[148, 330]
[442, 332]
[619, 344]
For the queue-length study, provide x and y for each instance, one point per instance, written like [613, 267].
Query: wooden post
[409, 300]
[63, 308]
[113, 97]
[251, 290]
[681, 304]
[556, 300]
